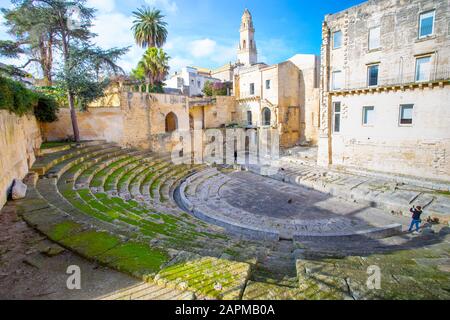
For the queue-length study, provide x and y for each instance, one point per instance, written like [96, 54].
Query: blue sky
[205, 32]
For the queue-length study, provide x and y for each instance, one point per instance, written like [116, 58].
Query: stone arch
[266, 116]
[244, 44]
[171, 122]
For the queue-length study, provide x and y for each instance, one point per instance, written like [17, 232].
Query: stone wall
[19, 139]
[95, 124]
[140, 121]
[420, 149]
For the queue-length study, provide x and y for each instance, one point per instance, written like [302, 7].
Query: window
[368, 116]
[372, 75]
[244, 45]
[337, 80]
[406, 114]
[337, 117]
[267, 84]
[252, 88]
[426, 24]
[374, 38]
[266, 115]
[199, 83]
[423, 68]
[249, 118]
[337, 39]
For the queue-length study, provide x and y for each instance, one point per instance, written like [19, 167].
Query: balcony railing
[249, 124]
[401, 80]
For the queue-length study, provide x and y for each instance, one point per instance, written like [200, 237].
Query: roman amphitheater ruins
[208, 230]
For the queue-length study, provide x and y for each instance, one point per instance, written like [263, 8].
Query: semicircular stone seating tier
[130, 210]
[267, 208]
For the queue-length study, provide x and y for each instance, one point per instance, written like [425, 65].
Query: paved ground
[250, 200]
[391, 193]
[34, 268]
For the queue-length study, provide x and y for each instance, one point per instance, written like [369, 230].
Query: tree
[217, 88]
[81, 65]
[149, 28]
[63, 26]
[153, 67]
[207, 89]
[32, 26]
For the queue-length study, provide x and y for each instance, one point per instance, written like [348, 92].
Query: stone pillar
[324, 157]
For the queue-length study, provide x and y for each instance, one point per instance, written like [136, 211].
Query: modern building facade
[190, 80]
[385, 88]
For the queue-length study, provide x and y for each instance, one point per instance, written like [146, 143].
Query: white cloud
[164, 5]
[103, 6]
[114, 30]
[177, 62]
[224, 54]
[202, 48]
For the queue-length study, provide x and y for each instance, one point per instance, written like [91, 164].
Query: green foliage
[138, 73]
[216, 89]
[149, 28]
[207, 89]
[153, 68]
[46, 109]
[17, 99]
[57, 93]
[10, 49]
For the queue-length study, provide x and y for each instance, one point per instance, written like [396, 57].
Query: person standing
[416, 213]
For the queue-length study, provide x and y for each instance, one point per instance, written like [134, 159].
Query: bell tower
[247, 53]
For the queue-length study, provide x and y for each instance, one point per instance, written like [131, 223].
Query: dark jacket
[416, 213]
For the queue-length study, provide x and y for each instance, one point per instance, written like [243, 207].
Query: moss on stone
[207, 277]
[90, 244]
[136, 259]
[63, 230]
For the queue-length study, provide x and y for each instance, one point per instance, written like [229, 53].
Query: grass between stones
[56, 144]
[207, 277]
[159, 228]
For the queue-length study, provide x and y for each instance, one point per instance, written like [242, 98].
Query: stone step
[43, 164]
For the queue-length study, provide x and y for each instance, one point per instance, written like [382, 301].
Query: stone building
[385, 88]
[276, 95]
[284, 97]
[190, 80]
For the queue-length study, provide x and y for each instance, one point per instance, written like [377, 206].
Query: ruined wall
[94, 124]
[19, 139]
[219, 113]
[288, 104]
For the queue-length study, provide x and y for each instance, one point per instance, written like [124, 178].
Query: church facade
[283, 96]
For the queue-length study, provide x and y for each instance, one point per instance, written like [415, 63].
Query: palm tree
[155, 66]
[149, 28]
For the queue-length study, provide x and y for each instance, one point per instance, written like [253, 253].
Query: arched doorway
[171, 122]
[266, 116]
